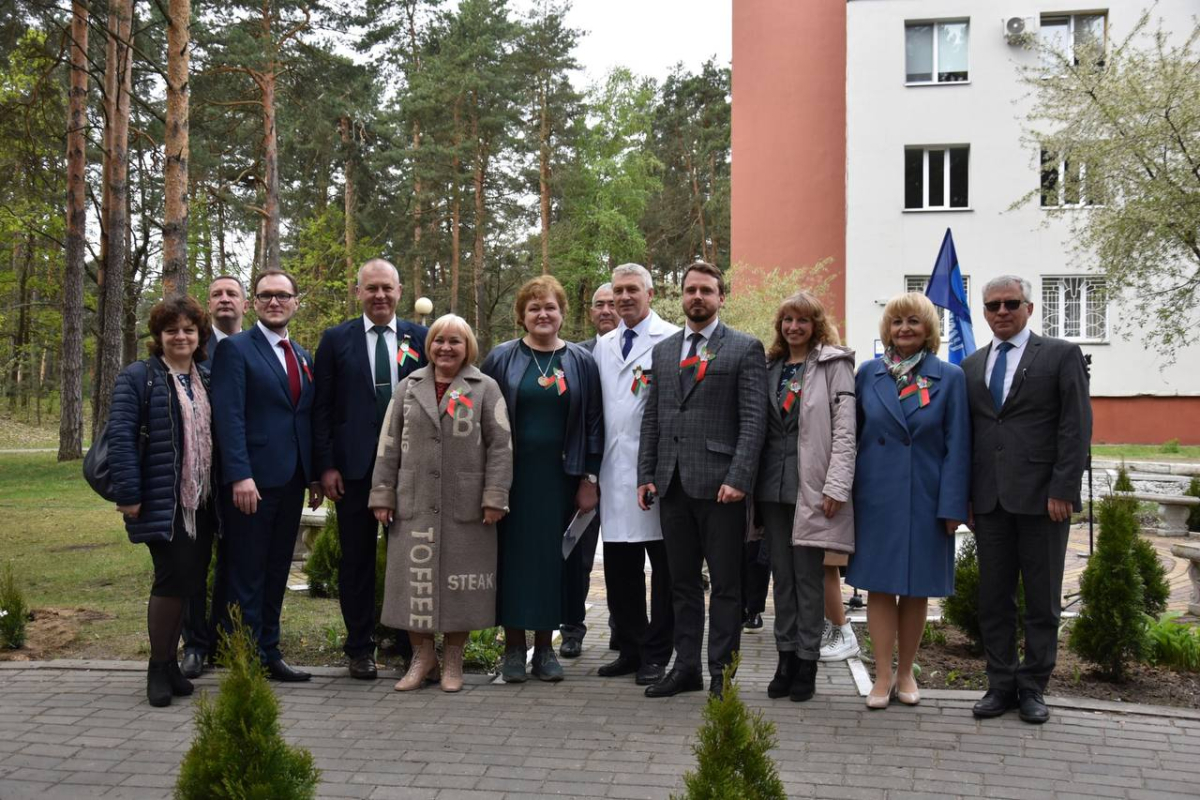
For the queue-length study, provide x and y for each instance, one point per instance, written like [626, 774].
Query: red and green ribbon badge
[458, 396]
[920, 389]
[307, 371]
[792, 396]
[700, 362]
[560, 380]
[404, 352]
[640, 379]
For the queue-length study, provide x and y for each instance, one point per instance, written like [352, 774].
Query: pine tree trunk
[544, 178]
[270, 259]
[347, 132]
[221, 269]
[455, 213]
[19, 370]
[175, 229]
[70, 425]
[478, 179]
[418, 196]
[698, 202]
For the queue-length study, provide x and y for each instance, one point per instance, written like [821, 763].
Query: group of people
[704, 454]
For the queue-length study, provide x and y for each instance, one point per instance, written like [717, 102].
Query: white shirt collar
[273, 338]
[706, 331]
[640, 329]
[368, 324]
[1017, 340]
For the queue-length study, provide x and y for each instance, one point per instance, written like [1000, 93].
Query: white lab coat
[621, 519]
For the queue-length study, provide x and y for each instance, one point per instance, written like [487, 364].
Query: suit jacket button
[882, 440]
[434, 509]
[906, 442]
[999, 447]
[675, 438]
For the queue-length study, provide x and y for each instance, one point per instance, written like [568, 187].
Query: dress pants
[756, 577]
[358, 532]
[1035, 547]
[696, 531]
[799, 574]
[260, 549]
[200, 628]
[647, 641]
[576, 583]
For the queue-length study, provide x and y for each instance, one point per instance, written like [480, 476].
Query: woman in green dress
[552, 390]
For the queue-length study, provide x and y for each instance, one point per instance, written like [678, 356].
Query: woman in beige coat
[441, 481]
[804, 480]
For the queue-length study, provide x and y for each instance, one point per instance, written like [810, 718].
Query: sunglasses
[1011, 305]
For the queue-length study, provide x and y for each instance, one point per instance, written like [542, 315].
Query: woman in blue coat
[911, 484]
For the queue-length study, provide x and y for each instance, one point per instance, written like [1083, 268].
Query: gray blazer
[714, 433]
[1037, 445]
[779, 466]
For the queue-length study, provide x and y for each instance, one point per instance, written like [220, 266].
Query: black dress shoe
[1031, 706]
[278, 670]
[649, 674]
[995, 703]
[621, 666]
[716, 688]
[753, 623]
[192, 665]
[363, 668]
[180, 686]
[570, 648]
[676, 681]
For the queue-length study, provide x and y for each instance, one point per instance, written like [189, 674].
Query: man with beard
[701, 434]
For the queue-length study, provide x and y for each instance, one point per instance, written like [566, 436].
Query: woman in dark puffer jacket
[166, 490]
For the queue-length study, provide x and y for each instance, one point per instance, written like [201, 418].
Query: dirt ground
[51, 633]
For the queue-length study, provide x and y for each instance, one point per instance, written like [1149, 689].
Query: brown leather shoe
[363, 668]
[452, 668]
[422, 666]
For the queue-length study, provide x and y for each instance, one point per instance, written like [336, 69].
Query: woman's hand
[829, 506]
[951, 526]
[131, 511]
[383, 515]
[493, 515]
[587, 496]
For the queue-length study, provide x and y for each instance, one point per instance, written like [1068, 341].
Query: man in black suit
[1032, 420]
[359, 364]
[702, 431]
[262, 397]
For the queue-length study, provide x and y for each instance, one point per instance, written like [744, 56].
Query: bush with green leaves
[733, 760]
[484, 649]
[322, 564]
[1173, 643]
[239, 752]
[961, 609]
[1110, 631]
[1123, 482]
[14, 612]
[1155, 589]
[1193, 490]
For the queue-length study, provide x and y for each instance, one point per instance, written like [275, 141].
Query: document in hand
[579, 524]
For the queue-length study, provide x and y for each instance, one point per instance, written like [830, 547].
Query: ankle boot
[180, 686]
[804, 682]
[781, 684]
[158, 684]
[422, 665]
[452, 668]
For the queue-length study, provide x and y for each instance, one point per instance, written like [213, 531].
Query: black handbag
[95, 462]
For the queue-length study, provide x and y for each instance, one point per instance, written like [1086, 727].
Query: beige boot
[423, 664]
[452, 668]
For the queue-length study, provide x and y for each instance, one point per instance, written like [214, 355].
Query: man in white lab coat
[630, 534]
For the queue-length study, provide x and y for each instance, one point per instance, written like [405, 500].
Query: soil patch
[948, 662]
[50, 632]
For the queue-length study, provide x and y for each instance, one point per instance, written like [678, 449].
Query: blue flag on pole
[946, 290]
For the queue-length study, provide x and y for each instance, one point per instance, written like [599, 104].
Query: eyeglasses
[266, 297]
[1011, 305]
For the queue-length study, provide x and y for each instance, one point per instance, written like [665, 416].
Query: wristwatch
[590, 478]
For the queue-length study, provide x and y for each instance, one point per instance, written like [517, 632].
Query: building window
[1074, 35]
[1074, 308]
[1069, 182]
[918, 283]
[936, 52]
[936, 177]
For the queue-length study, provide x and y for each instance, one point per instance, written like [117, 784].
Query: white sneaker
[842, 644]
[826, 633]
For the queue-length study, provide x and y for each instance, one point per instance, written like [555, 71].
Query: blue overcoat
[912, 472]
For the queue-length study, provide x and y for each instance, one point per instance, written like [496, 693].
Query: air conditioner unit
[1016, 28]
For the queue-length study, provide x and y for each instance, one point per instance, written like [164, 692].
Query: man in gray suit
[702, 431]
[1032, 420]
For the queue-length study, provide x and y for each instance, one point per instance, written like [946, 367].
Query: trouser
[799, 574]
[576, 583]
[756, 577]
[260, 547]
[358, 532]
[647, 641]
[200, 627]
[1033, 547]
[696, 532]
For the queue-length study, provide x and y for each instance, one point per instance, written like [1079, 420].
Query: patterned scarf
[196, 470]
[903, 369]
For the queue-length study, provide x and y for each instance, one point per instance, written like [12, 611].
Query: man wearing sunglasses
[262, 390]
[1032, 419]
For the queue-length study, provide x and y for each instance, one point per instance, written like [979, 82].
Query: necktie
[627, 345]
[688, 376]
[998, 371]
[293, 370]
[383, 374]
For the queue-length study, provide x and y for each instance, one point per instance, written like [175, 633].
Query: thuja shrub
[1110, 631]
[733, 760]
[1155, 589]
[322, 564]
[14, 611]
[962, 608]
[1123, 483]
[239, 751]
[1193, 490]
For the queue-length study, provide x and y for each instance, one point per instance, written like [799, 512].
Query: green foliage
[14, 612]
[1193, 490]
[1171, 447]
[961, 609]
[1123, 483]
[933, 634]
[1155, 589]
[322, 564]
[753, 299]
[733, 760]
[1173, 643]
[239, 752]
[484, 649]
[1111, 630]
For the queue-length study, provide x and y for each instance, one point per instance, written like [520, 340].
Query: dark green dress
[542, 499]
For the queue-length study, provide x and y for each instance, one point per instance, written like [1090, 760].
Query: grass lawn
[1146, 452]
[88, 585]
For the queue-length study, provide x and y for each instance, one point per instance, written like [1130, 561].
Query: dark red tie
[293, 370]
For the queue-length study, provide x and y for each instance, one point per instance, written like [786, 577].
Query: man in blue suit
[262, 395]
[359, 364]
